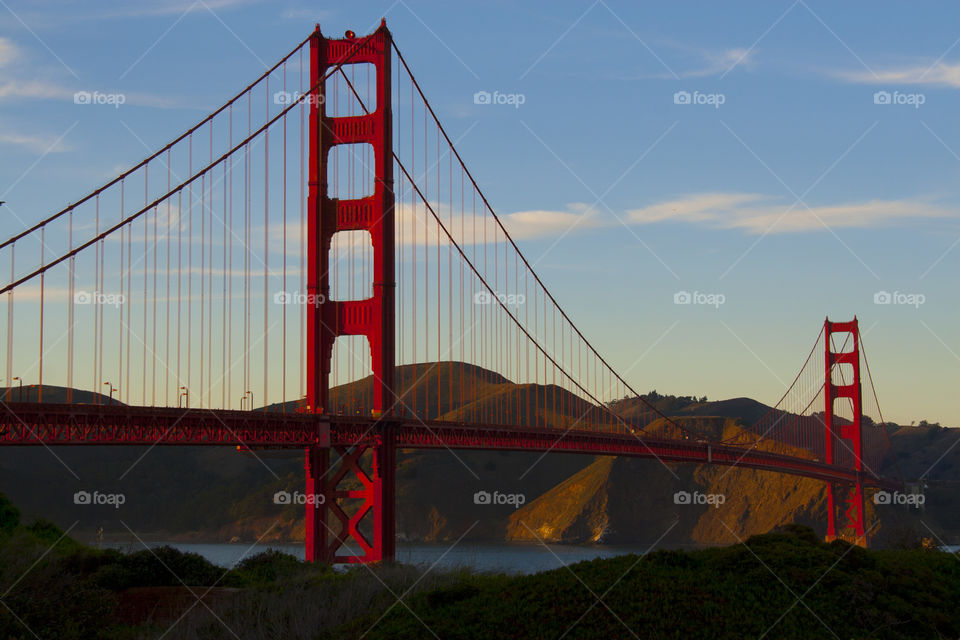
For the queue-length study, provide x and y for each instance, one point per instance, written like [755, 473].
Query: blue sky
[803, 193]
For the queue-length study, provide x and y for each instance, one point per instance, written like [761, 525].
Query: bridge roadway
[52, 424]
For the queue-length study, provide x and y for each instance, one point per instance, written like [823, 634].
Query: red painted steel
[849, 432]
[372, 318]
[61, 424]
[31, 423]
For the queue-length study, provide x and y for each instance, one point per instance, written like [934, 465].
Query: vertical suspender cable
[210, 273]
[166, 322]
[229, 270]
[283, 344]
[266, 244]
[128, 270]
[70, 313]
[189, 353]
[143, 335]
[43, 245]
[10, 322]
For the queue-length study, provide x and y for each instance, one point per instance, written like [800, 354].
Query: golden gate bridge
[320, 225]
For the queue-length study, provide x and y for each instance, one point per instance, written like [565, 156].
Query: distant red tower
[848, 435]
[372, 317]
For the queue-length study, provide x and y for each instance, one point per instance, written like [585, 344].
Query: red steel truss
[62, 424]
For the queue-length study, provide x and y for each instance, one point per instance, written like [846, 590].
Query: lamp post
[20, 390]
[112, 389]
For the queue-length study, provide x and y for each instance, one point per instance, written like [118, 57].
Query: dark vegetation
[54, 587]
[786, 584]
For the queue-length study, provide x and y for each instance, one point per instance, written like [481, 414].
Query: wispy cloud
[38, 89]
[757, 213]
[47, 90]
[8, 51]
[481, 228]
[136, 8]
[34, 143]
[701, 63]
[28, 82]
[699, 207]
[751, 213]
[722, 62]
[294, 13]
[539, 222]
[939, 74]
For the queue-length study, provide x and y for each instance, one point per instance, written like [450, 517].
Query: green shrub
[161, 567]
[271, 566]
[9, 515]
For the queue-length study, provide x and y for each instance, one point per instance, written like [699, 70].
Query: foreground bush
[785, 584]
[778, 585]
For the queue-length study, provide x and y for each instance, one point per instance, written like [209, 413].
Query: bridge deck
[53, 424]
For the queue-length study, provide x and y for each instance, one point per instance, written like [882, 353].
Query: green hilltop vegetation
[218, 494]
[56, 587]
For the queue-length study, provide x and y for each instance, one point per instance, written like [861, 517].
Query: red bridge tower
[844, 435]
[372, 317]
